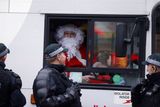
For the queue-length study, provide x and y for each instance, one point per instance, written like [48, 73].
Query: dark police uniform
[10, 85]
[52, 88]
[147, 93]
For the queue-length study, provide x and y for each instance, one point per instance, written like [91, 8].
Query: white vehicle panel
[24, 34]
[96, 98]
[4, 5]
[39, 6]
[79, 6]
[111, 6]
[105, 98]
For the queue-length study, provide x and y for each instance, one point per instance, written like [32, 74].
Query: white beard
[73, 49]
[72, 45]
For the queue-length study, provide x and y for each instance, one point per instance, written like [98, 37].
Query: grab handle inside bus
[121, 45]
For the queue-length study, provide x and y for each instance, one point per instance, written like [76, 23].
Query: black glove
[140, 87]
[137, 89]
[136, 95]
[74, 91]
[77, 86]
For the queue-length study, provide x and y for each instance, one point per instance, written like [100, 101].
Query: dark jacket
[10, 84]
[147, 93]
[52, 88]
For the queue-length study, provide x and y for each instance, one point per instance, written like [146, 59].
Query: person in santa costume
[72, 38]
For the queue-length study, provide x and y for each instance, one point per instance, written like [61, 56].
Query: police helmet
[153, 59]
[52, 50]
[3, 50]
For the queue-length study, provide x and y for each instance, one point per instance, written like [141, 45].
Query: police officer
[147, 93]
[10, 84]
[51, 87]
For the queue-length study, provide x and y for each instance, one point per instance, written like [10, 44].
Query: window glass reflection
[107, 39]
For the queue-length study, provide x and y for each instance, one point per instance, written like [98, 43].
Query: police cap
[153, 59]
[53, 49]
[3, 50]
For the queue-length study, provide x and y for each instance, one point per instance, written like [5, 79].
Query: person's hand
[136, 95]
[86, 78]
[83, 61]
[137, 89]
[74, 91]
[69, 55]
[77, 87]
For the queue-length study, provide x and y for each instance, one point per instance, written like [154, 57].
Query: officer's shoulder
[43, 73]
[14, 78]
[45, 70]
[11, 73]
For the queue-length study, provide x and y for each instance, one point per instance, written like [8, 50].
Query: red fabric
[134, 57]
[74, 62]
[101, 79]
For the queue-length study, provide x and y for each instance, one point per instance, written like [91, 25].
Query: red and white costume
[76, 55]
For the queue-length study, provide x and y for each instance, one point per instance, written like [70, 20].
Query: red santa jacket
[74, 62]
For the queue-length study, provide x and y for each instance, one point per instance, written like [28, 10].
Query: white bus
[122, 32]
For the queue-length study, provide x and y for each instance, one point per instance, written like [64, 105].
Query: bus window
[72, 35]
[107, 51]
[105, 42]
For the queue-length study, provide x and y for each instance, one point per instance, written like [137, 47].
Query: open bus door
[117, 43]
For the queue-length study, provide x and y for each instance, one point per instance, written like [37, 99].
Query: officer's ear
[58, 57]
[3, 58]
[154, 68]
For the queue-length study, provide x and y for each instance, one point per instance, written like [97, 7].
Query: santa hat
[79, 34]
